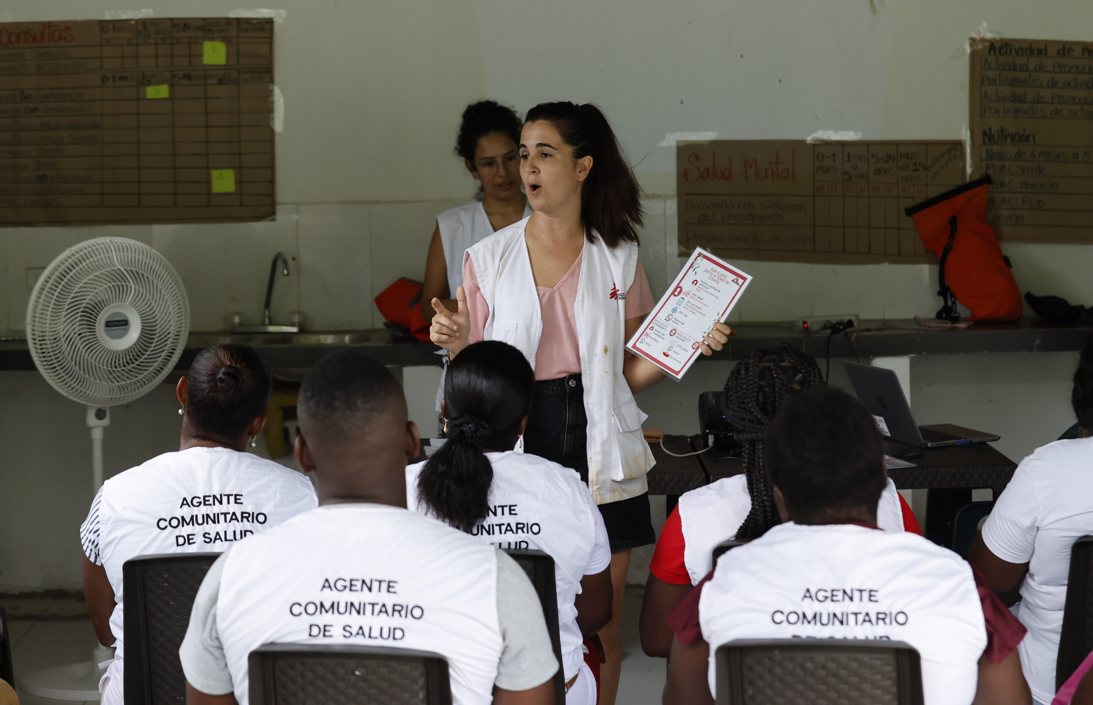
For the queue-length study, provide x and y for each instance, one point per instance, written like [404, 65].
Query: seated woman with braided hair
[477, 483]
[739, 507]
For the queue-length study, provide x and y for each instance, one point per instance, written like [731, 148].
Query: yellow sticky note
[223, 180]
[157, 92]
[214, 53]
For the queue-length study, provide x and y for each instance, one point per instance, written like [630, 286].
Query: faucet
[269, 285]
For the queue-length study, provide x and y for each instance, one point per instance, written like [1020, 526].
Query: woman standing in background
[567, 289]
[487, 139]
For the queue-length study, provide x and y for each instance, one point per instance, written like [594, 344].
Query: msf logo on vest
[615, 294]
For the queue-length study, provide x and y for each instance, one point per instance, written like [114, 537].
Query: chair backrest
[818, 671]
[966, 524]
[725, 546]
[7, 672]
[540, 569]
[159, 593]
[1076, 637]
[322, 674]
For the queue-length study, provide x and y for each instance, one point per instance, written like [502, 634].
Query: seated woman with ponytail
[479, 484]
[739, 507]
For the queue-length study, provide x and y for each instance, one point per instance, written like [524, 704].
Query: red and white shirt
[708, 515]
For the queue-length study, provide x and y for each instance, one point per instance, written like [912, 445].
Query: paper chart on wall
[703, 293]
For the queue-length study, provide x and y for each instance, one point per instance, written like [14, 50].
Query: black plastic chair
[818, 672]
[159, 593]
[321, 674]
[1076, 637]
[725, 546]
[540, 569]
[966, 524]
[7, 672]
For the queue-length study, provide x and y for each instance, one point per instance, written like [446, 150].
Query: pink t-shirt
[558, 354]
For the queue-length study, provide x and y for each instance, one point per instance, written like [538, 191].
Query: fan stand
[77, 681]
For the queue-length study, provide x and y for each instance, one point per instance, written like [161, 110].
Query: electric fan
[106, 322]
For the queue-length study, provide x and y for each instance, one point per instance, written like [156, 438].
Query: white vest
[365, 574]
[461, 227]
[195, 500]
[618, 456]
[711, 514]
[538, 504]
[845, 581]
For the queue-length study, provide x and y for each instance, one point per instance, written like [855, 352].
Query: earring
[519, 447]
[181, 410]
[253, 441]
[445, 427]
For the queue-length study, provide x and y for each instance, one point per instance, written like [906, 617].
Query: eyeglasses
[491, 165]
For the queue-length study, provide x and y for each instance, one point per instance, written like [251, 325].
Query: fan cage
[65, 327]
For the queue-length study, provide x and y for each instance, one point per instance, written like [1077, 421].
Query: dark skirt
[556, 430]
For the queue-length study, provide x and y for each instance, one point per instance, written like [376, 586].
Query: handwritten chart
[136, 121]
[1032, 131]
[794, 201]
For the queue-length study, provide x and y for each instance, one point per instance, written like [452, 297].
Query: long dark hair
[754, 392]
[610, 197]
[487, 393]
[228, 387]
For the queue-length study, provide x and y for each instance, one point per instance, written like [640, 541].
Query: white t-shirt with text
[848, 581]
[189, 501]
[370, 574]
[539, 504]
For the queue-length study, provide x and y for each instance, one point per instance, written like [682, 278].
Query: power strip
[819, 324]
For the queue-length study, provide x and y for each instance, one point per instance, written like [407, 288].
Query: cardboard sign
[794, 201]
[1032, 131]
[136, 121]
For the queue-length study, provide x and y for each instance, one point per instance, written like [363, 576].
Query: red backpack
[971, 268]
[400, 304]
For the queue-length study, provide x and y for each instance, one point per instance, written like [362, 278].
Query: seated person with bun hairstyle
[202, 497]
[828, 572]
[739, 507]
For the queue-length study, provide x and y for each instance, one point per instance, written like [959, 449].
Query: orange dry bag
[971, 268]
[400, 304]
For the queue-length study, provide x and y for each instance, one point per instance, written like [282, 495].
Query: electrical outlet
[818, 324]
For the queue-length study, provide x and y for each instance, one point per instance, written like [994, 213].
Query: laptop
[879, 389]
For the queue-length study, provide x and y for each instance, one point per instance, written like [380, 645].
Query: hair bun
[229, 375]
[475, 431]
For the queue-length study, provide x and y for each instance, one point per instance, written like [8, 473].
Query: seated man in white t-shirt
[362, 570]
[828, 572]
[200, 498]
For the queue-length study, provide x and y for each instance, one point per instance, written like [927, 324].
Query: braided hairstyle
[487, 394]
[754, 392]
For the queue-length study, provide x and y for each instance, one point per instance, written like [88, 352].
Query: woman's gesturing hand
[451, 329]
